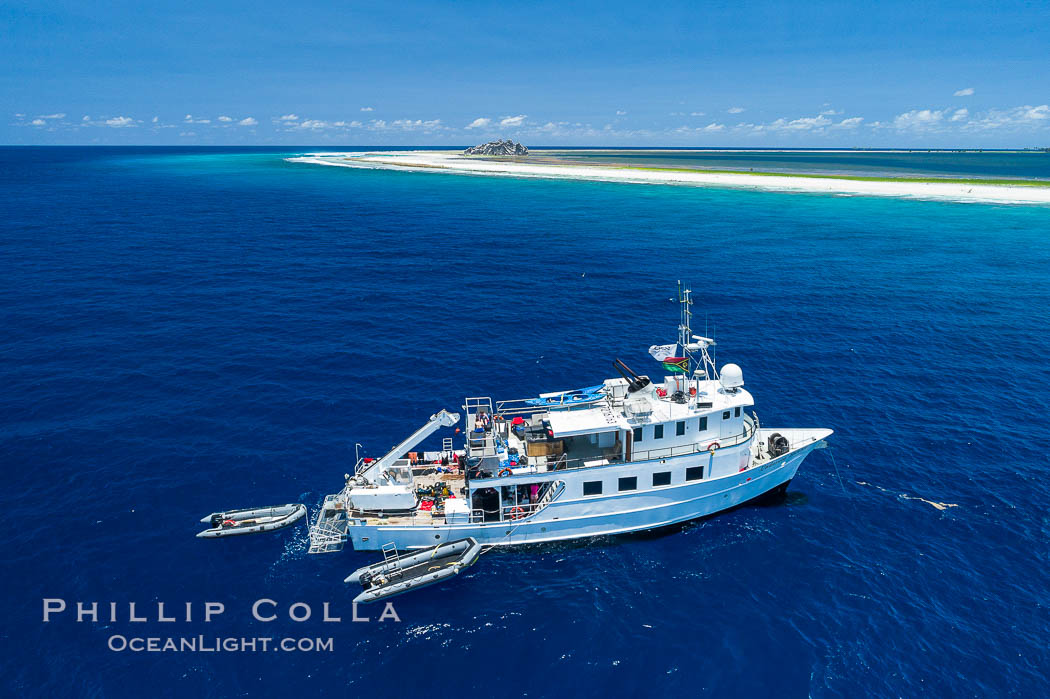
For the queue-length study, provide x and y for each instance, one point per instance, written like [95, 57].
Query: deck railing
[561, 463]
[704, 445]
[510, 513]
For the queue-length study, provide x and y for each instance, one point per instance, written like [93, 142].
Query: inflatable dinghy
[398, 574]
[263, 519]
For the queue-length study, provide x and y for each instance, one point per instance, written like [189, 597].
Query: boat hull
[562, 520]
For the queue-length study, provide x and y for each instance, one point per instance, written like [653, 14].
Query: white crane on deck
[438, 420]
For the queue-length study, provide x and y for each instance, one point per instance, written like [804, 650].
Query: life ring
[229, 523]
[713, 446]
[505, 472]
[516, 513]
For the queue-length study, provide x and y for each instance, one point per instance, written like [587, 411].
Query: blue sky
[871, 74]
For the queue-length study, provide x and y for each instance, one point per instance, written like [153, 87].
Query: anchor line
[831, 452]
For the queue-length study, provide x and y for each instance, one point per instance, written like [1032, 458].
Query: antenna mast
[693, 343]
[684, 331]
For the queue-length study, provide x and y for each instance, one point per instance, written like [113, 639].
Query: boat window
[703, 424]
[662, 478]
[725, 415]
[679, 428]
[637, 434]
[694, 473]
[629, 483]
[658, 432]
[736, 413]
[592, 487]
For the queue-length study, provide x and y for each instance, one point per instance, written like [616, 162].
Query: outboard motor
[778, 445]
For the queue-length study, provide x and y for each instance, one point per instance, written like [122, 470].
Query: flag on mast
[679, 364]
[662, 352]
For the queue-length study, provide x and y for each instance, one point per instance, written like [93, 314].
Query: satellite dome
[731, 377]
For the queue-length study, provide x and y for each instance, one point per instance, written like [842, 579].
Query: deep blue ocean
[185, 331]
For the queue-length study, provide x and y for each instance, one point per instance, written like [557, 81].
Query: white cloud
[368, 109]
[53, 116]
[919, 120]
[424, 125]
[620, 112]
[190, 120]
[120, 122]
[38, 122]
[736, 110]
[417, 124]
[247, 121]
[579, 131]
[155, 119]
[19, 116]
[696, 114]
[965, 92]
[1024, 118]
[713, 127]
[1018, 118]
[1036, 113]
[317, 124]
[288, 117]
[831, 112]
[478, 123]
[816, 123]
[225, 119]
[512, 120]
[86, 118]
[551, 127]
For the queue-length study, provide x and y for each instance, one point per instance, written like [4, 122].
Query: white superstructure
[627, 455]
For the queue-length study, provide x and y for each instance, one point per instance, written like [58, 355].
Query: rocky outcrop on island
[507, 147]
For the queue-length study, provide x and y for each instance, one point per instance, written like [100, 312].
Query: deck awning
[571, 423]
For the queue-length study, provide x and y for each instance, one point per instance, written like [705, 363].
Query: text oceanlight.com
[204, 644]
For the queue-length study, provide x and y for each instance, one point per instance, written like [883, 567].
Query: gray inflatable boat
[263, 519]
[398, 574]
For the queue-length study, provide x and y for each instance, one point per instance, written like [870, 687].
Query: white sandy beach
[445, 161]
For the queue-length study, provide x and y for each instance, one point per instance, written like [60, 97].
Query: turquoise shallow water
[192, 330]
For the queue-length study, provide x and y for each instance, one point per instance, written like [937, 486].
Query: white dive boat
[629, 455]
